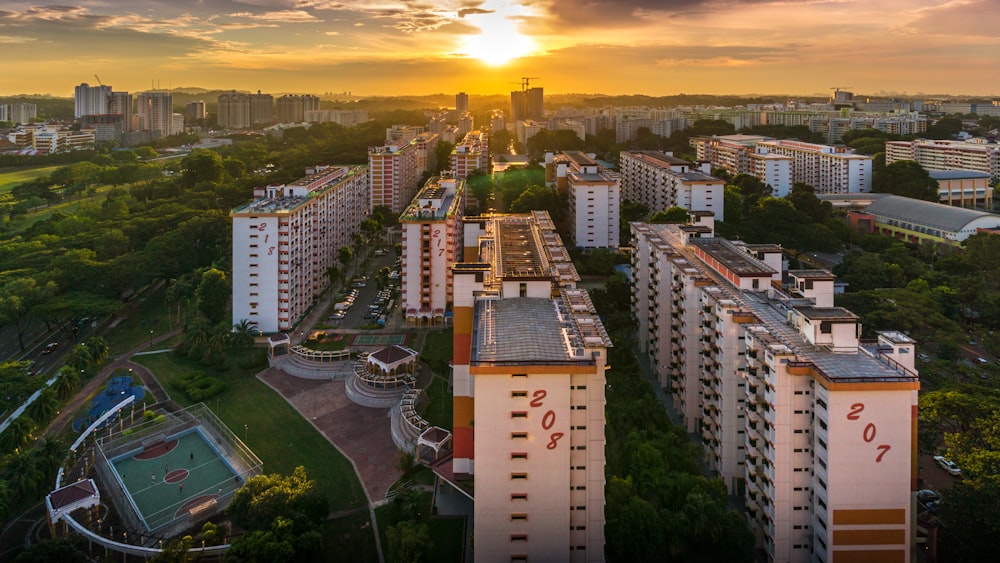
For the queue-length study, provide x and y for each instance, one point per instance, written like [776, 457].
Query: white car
[948, 465]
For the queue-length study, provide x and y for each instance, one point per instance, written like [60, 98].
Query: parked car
[50, 347]
[925, 496]
[948, 465]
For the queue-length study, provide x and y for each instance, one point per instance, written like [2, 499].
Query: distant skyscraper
[91, 100]
[155, 111]
[121, 104]
[195, 110]
[461, 102]
[292, 108]
[261, 108]
[527, 104]
[233, 110]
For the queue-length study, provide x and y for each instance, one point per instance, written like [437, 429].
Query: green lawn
[440, 403]
[138, 319]
[350, 539]
[269, 425]
[438, 349]
[16, 177]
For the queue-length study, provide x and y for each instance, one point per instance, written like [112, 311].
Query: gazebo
[278, 344]
[391, 361]
[433, 443]
[64, 500]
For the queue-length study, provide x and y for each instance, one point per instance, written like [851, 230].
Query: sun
[499, 40]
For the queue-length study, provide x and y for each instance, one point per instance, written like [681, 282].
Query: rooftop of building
[286, 204]
[812, 274]
[532, 330]
[925, 213]
[732, 258]
[957, 174]
[658, 158]
[826, 313]
[448, 198]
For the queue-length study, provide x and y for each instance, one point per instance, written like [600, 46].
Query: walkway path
[153, 387]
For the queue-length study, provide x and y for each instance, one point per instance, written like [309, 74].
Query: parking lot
[364, 304]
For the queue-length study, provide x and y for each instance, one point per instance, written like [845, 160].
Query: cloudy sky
[391, 47]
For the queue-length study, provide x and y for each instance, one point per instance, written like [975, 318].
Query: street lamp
[246, 432]
[150, 338]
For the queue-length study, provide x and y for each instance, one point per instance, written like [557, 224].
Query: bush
[198, 386]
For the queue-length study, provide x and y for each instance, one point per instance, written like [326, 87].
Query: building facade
[964, 188]
[473, 153]
[736, 155]
[291, 108]
[90, 100]
[262, 108]
[813, 426]
[527, 104]
[285, 240]
[660, 181]
[530, 355]
[948, 155]
[156, 113]
[395, 173]
[233, 110]
[594, 198]
[829, 169]
[431, 244]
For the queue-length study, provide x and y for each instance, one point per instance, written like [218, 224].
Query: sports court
[173, 470]
[170, 477]
[379, 339]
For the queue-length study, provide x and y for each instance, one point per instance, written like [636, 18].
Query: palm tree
[79, 358]
[217, 342]
[23, 475]
[43, 407]
[243, 334]
[17, 434]
[196, 335]
[68, 382]
[49, 456]
[98, 349]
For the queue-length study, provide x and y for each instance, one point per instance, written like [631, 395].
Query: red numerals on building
[869, 432]
[548, 419]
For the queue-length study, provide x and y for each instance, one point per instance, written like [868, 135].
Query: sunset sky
[392, 47]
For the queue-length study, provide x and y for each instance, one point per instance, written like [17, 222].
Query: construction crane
[526, 80]
[99, 83]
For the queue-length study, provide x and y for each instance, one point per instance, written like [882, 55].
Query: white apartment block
[342, 117]
[155, 111]
[594, 197]
[20, 113]
[528, 368]
[660, 181]
[90, 100]
[498, 121]
[120, 103]
[285, 240]
[831, 170]
[395, 172]
[948, 155]
[233, 110]
[427, 143]
[815, 427]
[473, 153]
[735, 154]
[431, 244]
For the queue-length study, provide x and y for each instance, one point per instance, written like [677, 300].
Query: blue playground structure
[119, 387]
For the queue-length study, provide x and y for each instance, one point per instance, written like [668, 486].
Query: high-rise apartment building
[90, 100]
[527, 104]
[816, 427]
[473, 153]
[947, 155]
[155, 111]
[121, 104]
[431, 244]
[528, 368]
[21, 113]
[829, 169]
[736, 155]
[344, 117]
[395, 173]
[661, 181]
[291, 108]
[194, 111]
[262, 108]
[285, 240]
[593, 198]
[498, 121]
[461, 102]
[233, 110]
[465, 123]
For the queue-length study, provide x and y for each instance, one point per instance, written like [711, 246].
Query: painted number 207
[869, 432]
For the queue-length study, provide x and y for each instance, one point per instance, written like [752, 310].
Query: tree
[213, 295]
[19, 299]
[344, 256]
[970, 518]
[43, 407]
[906, 178]
[98, 349]
[265, 498]
[202, 166]
[408, 542]
[672, 215]
[63, 550]
[23, 474]
[244, 333]
[752, 189]
[17, 434]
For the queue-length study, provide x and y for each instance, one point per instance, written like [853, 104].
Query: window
[516, 394]
[518, 517]
[518, 476]
[518, 455]
[826, 327]
[519, 496]
[518, 537]
[519, 414]
[518, 435]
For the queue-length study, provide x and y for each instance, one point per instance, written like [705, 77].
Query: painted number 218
[869, 432]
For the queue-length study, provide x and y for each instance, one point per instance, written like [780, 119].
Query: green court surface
[171, 477]
[379, 339]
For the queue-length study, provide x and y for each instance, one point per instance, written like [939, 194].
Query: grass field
[446, 533]
[10, 179]
[273, 429]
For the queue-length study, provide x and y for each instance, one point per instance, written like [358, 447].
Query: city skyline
[484, 47]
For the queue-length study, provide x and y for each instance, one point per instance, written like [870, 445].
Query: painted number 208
[548, 419]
